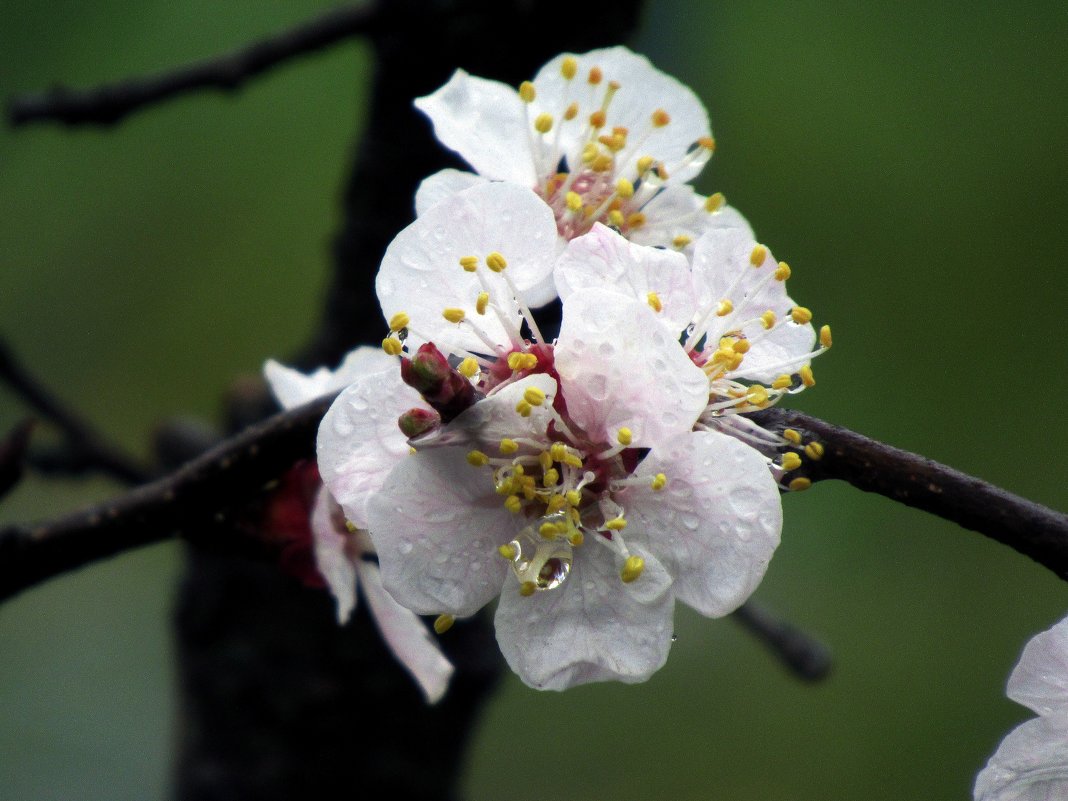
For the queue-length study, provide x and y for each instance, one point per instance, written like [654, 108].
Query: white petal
[590, 629]
[1040, 679]
[485, 122]
[715, 525]
[677, 210]
[292, 388]
[442, 185]
[619, 367]
[643, 89]
[1031, 764]
[333, 556]
[421, 273]
[436, 526]
[406, 635]
[359, 441]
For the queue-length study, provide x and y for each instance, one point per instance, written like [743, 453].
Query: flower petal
[619, 367]
[716, 523]
[333, 557]
[359, 441]
[1031, 764]
[406, 635]
[436, 525]
[485, 122]
[1040, 678]
[606, 260]
[421, 273]
[292, 388]
[442, 185]
[590, 629]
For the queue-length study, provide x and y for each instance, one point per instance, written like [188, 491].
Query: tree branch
[224, 478]
[1028, 527]
[801, 654]
[108, 104]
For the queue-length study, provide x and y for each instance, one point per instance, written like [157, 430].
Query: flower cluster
[591, 478]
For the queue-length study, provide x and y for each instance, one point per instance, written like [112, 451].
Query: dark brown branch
[226, 477]
[108, 104]
[83, 448]
[801, 654]
[1030, 528]
[13, 455]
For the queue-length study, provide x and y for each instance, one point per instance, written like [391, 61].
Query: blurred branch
[1032, 529]
[84, 448]
[803, 655]
[226, 477]
[108, 104]
[13, 456]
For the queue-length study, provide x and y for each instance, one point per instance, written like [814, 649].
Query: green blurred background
[908, 160]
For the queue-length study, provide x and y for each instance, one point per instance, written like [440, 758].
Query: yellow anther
[707, 142]
[398, 321]
[741, 346]
[548, 530]
[768, 318]
[825, 336]
[551, 477]
[568, 67]
[613, 87]
[516, 361]
[527, 92]
[589, 152]
[453, 315]
[659, 482]
[814, 451]
[534, 396]
[603, 163]
[614, 142]
[645, 163]
[615, 524]
[792, 435]
[783, 271]
[575, 538]
[757, 255]
[595, 76]
[508, 446]
[530, 361]
[518, 470]
[573, 497]
[662, 171]
[411, 450]
[508, 487]
[545, 459]
[757, 394]
[624, 188]
[351, 527]
[558, 451]
[572, 460]
[681, 241]
[790, 461]
[527, 588]
[632, 568]
[443, 623]
[392, 346]
[543, 123]
[513, 504]
[615, 217]
[571, 111]
[800, 315]
[653, 300]
[469, 263]
[573, 201]
[598, 119]
[624, 436]
[636, 220]
[524, 408]
[782, 382]
[714, 203]
[807, 378]
[800, 483]
[495, 261]
[468, 368]
[477, 459]
[660, 118]
[724, 308]
[482, 302]
[555, 503]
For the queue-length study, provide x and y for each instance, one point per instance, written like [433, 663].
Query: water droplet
[690, 520]
[406, 548]
[674, 637]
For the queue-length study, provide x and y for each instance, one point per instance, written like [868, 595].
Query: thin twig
[108, 104]
[84, 448]
[13, 456]
[803, 655]
[1030, 528]
[223, 478]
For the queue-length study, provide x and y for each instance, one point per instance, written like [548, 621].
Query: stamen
[568, 68]
[800, 484]
[758, 255]
[800, 315]
[681, 241]
[814, 451]
[513, 505]
[527, 92]
[453, 315]
[825, 336]
[792, 435]
[632, 569]
[481, 302]
[790, 461]
[624, 436]
[469, 263]
[468, 368]
[714, 202]
[783, 271]
[398, 321]
[477, 459]
[496, 262]
[392, 346]
[443, 623]
[659, 482]
[654, 302]
[806, 376]
[660, 118]
[543, 123]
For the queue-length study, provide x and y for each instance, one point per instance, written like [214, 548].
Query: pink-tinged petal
[421, 273]
[678, 210]
[292, 388]
[334, 556]
[442, 185]
[1040, 678]
[486, 123]
[620, 367]
[406, 635]
[436, 525]
[643, 89]
[593, 628]
[716, 523]
[1031, 764]
[603, 259]
[359, 441]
